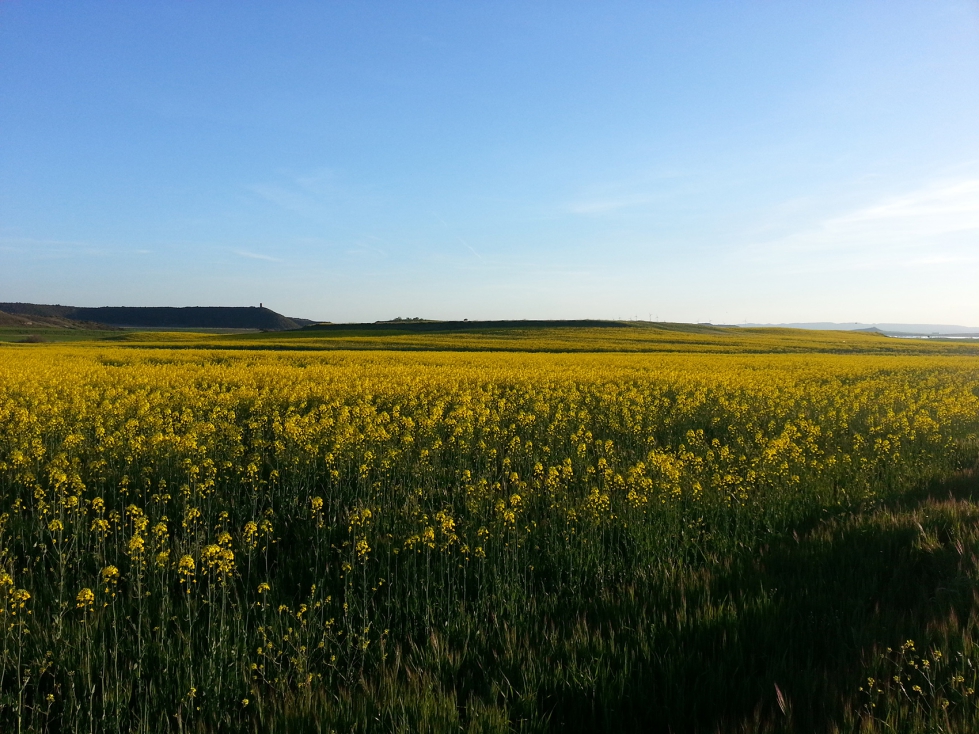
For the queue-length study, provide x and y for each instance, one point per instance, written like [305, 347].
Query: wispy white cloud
[52, 249]
[928, 212]
[605, 205]
[310, 195]
[470, 248]
[361, 249]
[256, 256]
[29, 242]
[282, 197]
[934, 225]
[649, 187]
[452, 231]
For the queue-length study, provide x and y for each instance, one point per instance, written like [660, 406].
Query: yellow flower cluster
[500, 439]
[202, 493]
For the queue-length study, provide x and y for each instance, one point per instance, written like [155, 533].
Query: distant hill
[923, 329]
[154, 317]
[32, 321]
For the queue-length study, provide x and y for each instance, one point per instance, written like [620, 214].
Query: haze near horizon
[759, 162]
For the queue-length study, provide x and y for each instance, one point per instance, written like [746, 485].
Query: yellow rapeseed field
[199, 540]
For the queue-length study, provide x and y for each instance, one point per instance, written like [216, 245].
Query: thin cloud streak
[597, 207]
[24, 242]
[283, 198]
[256, 256]
[935, 224]
[647, 187]
[311, 195]
[470, 248]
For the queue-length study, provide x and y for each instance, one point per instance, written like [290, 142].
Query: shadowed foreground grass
[782, 640]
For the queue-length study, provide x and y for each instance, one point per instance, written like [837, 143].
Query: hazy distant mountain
[944, 329]
[161, 317]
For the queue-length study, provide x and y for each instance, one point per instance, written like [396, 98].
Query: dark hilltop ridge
[154, 317]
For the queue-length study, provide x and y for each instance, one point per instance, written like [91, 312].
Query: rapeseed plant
[336, 514]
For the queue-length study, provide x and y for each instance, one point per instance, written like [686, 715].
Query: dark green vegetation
[791, 635]
[33, 335]
[205, 317]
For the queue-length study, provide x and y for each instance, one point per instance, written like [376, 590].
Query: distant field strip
[623, 337]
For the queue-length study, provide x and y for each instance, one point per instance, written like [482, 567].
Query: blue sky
[721, 161]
